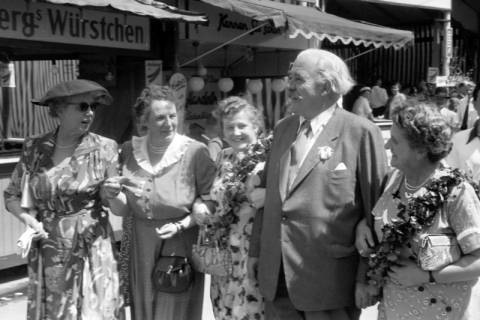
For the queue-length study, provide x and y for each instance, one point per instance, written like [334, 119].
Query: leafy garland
[235, 176]
[413, 217]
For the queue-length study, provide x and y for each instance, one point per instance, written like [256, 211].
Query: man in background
[378, 98]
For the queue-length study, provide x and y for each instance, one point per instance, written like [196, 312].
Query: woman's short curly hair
[232, 105]
[55, 105]
[141, 108]
[425, 128]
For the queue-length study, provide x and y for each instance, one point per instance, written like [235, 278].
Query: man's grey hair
[331, 68]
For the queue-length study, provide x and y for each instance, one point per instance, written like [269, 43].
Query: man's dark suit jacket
[311, 228]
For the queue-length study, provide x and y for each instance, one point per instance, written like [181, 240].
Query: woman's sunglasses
[83, 106]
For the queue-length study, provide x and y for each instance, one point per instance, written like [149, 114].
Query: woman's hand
[200, 212]
[167, 230]
[364, 238]
[407, 274]
[33, 223]
[256, 197]
[253, 181]
[111, 187]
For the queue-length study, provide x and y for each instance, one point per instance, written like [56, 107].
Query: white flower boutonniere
[325, 153]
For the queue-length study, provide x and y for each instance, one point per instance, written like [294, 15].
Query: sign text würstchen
[75, 25]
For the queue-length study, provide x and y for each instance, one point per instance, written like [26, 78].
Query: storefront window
[19, 118]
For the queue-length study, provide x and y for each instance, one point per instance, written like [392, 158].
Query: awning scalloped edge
[348, 40]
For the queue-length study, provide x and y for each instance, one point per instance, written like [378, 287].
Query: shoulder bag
[172, 274]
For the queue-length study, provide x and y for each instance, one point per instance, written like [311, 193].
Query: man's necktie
[298, 150]
[465, 115]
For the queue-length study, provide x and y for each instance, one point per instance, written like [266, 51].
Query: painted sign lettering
[75, 25]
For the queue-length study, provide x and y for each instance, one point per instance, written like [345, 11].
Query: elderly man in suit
[324, 175]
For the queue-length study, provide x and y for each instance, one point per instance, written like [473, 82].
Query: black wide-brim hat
[72, 88]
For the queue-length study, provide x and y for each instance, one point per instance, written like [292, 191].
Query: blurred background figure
[442, 102]
[212, 131]
[197, 132]
[467, 115]
[378, 98]
[361, 106]
[396, 99]
[465, 152]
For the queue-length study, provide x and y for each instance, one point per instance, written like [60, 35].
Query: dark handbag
[172, 274]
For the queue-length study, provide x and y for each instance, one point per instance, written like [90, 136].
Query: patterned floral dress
[452, 301]
[73, 273]
[235, 297]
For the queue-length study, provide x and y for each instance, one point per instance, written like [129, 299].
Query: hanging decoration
[255, 86]
[201, 70]
[278, 85]
[196, 82]
[225, 84]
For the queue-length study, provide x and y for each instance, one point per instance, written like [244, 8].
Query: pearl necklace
[157, 149]
[410, 189]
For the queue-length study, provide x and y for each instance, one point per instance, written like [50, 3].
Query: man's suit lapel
[287, 141]
[328, 137]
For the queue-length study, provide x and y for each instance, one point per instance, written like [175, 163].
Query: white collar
[319, 121]
[175, 151]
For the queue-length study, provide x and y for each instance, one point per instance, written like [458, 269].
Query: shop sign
[75, 25]
[447, 81]
[224, 25]
[449, 42]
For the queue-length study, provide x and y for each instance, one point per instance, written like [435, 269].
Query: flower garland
[413, 217]
[235, 176]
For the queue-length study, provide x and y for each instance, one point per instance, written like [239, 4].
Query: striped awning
[312, 23]
[152, 8]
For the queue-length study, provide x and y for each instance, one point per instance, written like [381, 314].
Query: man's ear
[326, 87]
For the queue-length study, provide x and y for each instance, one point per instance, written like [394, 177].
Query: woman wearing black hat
[55, 190]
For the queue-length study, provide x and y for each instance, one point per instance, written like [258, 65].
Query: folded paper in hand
[25, 242]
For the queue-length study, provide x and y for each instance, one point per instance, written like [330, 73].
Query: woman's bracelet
[180, 227]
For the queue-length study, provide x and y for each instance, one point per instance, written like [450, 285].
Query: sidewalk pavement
[13, 300]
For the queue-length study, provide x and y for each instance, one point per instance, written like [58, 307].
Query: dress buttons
[448, 309]
[433, 301]
[421, 289]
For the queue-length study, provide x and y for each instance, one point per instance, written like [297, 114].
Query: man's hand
[363, 238]
[365, 295]
[252, 268]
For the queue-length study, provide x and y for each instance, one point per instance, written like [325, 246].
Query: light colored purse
[437, 251]
[208, 257]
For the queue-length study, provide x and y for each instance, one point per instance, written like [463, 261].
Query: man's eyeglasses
[83, 106]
